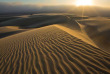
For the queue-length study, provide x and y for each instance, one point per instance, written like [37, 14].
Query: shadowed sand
[50, 50]
[10, 30]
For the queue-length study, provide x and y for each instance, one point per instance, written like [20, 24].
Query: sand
[77, 34]
[50, 50]
[10, 30]
[54, 44]
[34, 21]
[98, 30]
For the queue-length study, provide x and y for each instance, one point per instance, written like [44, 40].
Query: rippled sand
[50, 50]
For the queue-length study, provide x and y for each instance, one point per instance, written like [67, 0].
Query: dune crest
[77, 34]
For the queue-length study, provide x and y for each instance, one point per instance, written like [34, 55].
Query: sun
[83, 2]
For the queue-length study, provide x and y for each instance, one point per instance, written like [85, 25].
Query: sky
[37, 6]
[40, 1]
[105, 3]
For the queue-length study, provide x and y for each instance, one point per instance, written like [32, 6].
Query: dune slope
[50, 50]
[98, 29]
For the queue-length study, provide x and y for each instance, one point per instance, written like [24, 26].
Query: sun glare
[83, 2]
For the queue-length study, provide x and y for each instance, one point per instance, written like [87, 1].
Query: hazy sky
[54, 2]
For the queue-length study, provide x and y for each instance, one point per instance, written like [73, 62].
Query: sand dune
[76, 33]
[10, 30]
[50, 50]
[98, 29]
[6, 18]
[34, 21]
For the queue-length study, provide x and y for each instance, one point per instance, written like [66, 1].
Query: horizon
[54, 6]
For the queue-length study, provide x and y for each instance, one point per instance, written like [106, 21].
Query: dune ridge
[50, 50]
[77, 34]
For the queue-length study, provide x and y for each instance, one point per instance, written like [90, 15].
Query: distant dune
[9, 30]
[34, 21]
[60, 47]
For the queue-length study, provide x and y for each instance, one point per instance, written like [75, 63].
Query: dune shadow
[2, 35]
